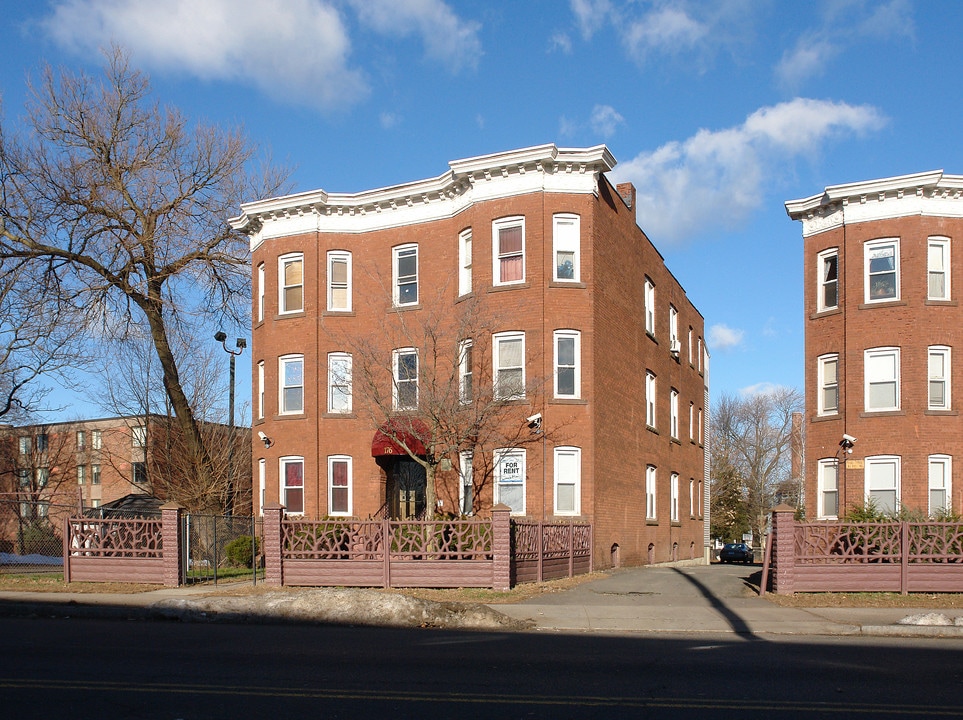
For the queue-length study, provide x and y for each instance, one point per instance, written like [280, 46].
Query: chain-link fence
[31, 535]
[222, 547]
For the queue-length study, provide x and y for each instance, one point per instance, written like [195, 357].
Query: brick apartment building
[883, 330]
[518, 289]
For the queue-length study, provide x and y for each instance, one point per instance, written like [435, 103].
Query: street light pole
[221, 337]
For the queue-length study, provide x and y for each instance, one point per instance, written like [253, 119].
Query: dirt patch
[868, 600]
[54, 583]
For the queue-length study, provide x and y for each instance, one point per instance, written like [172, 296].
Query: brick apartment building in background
[884, 331]
[580, 331]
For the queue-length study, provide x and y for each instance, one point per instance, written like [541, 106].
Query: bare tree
[751, 439]
[426, 382]
[122, 206]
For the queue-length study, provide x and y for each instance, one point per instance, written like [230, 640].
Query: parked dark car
[736, 552]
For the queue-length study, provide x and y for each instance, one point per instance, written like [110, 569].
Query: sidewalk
[696, 599]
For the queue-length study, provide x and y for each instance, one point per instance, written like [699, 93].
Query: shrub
[238, 551]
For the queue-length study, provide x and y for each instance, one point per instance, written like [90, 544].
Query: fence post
[386, 534]
[904, 558]
[541, 551]
[66, 548]
[172, 538]
[501, 548]
[784, 549]
[571, 548]
[273, 561]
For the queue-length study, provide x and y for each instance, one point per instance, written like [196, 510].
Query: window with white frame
[466, 390]
[674, 497]
[96, 439]
[689, 346]
[138, 436]
[404, 269]
[883, 483]
[466, 488]
[291, 374]
[939, 377]
[291, 491]
[260, 390]
[81, 474]
[692, 501]
[567, 353]
[938, 269]
[700, 426]
[291, 283]
[95, 474]
[260, 292]
[827, 492]
[649, 307]
[339, 281]
[81, 440]
[566, 239]
[510, 479]
[881, 276]
[940, 484]
[650, 399]
[882, 379]
[699, 354]
[404, 366]
[568, 475]
[339, 382]
[508, 351]
[42, 442]
[650, 492]
[508, 251]
[674, 330]
[827, 370]
[464, 262]
[261, 485]
[339, 485]
[827, 278]
[674, 413]
[691, 422]
[25, 444]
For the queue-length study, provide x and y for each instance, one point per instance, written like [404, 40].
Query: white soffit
[929, 193]
[544, 168]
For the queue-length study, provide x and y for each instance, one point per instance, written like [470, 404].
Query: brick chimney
[627, 191]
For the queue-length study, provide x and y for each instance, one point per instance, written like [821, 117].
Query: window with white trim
[96, 439]
[261, 485]
[404, 271]
[509, 361]
[827, 369]
[404, 367]
[81, 474]
[882, 379]
[649, 307]
[650, 399]
[339, 281]
[699, 354]
[689, 346]
[510, 479]
[339, 485]
[138, 436]
[291, 491]
[291, 375]
[339, 382]
[566, 240]
[691, 422]
[674, 497]
[883, 483]
[881, 270]
[508, 251]
[260, 292]
[466, 390]
[464, 262]
[81, 440]
[827, 280]
[568, 480]
[938, 269]
[674, 413]
[466, 488]
[26, 443]
[827, 492]
[692, 506]
[940, 484]
[290, 283]
[650, 492]
[674, 330]
[567, 354]
[260, 390]
[939, 377]
[95, 474]
[700, 426]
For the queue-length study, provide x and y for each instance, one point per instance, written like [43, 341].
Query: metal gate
[222, 548]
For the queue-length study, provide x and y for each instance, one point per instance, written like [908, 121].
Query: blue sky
[718, 112]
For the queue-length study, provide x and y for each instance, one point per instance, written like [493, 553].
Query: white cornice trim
[541, 168]
[929, 193]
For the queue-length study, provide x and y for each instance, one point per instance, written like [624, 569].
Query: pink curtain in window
[510, 245]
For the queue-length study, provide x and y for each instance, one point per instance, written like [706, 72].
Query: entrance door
[406, 489]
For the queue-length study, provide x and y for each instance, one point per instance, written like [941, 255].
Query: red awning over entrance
[406, 430]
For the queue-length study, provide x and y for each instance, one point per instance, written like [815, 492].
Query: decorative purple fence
[900, 557]
[546, 551]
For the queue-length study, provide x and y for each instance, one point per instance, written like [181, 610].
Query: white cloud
[590, 15]
[560, 41]
[715, 179]
[723, 337]
[763, 388]
[447, 38]
[295, 50]
[605, 120]
[666, 29]
[809, 58]
[389, 120]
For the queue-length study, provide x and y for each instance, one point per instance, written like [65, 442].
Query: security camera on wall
[534, 421]
[847, 443]
[264, 439]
